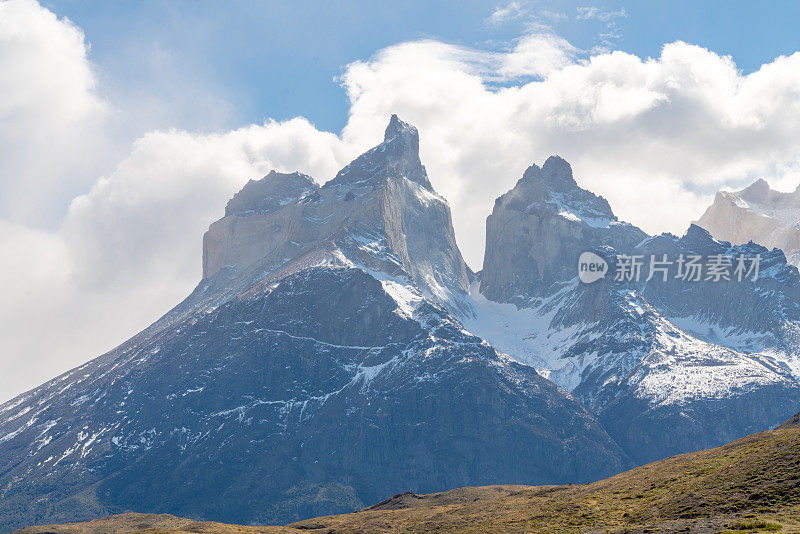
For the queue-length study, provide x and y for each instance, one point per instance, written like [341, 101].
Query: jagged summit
[396, 157]
[379, 212]
[757, 213]
[270, 193]
[699, 240]
[537, 231]
[758, 189]
[552, 187]
[761, 194]
[396, 128]
[557, 171]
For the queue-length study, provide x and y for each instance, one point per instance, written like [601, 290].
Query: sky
[126, 126]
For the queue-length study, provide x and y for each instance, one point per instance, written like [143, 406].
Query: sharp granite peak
[537, 230]
[396, 157]
[379, 212]
[336, 352]
[552, 186]
[757, 213]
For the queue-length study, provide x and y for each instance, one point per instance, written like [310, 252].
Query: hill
[750, 485]
[794, 422]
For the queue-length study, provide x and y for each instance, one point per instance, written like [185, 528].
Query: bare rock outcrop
[759, 214]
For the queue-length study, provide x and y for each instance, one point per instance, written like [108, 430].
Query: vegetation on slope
[750, 485]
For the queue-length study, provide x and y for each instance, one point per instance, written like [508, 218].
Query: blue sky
[280, 59]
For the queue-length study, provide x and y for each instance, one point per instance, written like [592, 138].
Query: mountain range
[338, 350]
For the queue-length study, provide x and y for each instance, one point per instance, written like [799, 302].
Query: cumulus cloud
[49, 112]
[129, 249]
[637, 131]
[537, 54]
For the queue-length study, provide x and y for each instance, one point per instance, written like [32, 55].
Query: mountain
[537, 231]
[759, 214]
[746, 486]
[318, 366]
[666, 366]
[338, 350]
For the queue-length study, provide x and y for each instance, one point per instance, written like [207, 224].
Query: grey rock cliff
[538, 229]
[380, 212]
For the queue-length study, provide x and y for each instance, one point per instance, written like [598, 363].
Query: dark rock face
[311, 397]
[653, 432]
[747, 315]
[317, 368]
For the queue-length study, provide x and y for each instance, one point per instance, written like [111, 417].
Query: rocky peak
[558, 173]
[270, 193]
[537, 231]
[700, 241]
[761, 198]
[553, 189]
[396, 157]
[398, 129]
[758, 190]
[379, 213]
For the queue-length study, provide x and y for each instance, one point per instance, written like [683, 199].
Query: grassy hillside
[750, 485]
[794, 422]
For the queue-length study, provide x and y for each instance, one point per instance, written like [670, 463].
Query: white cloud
[600, 14]
[49, 111]
[537, 54]
[504, 13]
[609, 18]
[638, 131]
